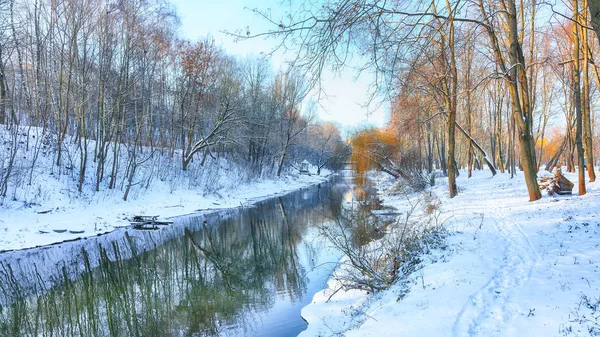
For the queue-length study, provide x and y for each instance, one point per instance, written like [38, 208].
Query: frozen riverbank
[25, 225]
[511, 268]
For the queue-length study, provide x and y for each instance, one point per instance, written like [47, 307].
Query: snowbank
[512, 268]
[43, 204]
[25, 225]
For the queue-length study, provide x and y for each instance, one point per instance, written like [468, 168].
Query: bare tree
[258, 117]
[289, 91]
[4, 4]
[389, 34]
[586, 114]
[226, 114]
[577, 100]
[511, 63]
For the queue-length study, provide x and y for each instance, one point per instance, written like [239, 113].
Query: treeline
[114, 80]
[467, 103]
[471, 83]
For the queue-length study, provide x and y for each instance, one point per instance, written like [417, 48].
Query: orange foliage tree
[551, 144]
[377, 149]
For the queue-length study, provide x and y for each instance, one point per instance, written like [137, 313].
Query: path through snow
[512, 268]
[490, 310]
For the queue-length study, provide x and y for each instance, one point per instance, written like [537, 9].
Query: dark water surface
[240, 272]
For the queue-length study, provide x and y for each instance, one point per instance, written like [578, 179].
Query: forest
[508, 85]
[107, 89]
[104, 88]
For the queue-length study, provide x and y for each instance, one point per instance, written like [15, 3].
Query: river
[236, 272]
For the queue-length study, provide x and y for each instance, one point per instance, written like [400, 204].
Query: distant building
[304, 167]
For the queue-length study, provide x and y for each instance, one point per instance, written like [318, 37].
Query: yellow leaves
[550, 144]
[371, 146]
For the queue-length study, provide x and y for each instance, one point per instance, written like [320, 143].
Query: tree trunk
[516, 80]
[282, 157]
[586, 109]
[3, 94]
[511, 145]
[468, 104]
[452, 169]
[499, 139]
[577, 98]
[556, 157]
[441, 145]
[429, 149]
[594, 6]
[473, 143]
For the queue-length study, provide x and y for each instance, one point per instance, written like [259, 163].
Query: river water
[240, 272]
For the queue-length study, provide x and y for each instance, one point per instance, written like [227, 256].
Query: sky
[346, 95]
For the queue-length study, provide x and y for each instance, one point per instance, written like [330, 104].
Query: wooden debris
[558, 184]
[144, 218]
[145, 226]
[148, 222]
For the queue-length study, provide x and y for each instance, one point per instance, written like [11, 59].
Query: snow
[21, 225]
[511, 268]
[50, 209]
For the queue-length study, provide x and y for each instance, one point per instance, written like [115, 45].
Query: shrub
[377, 254]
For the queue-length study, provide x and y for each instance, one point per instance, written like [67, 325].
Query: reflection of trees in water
[209, 278]
[248, 259]
[356, 215]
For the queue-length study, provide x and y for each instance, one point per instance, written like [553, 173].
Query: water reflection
[362, 191]
[363, 203]
[240, 272]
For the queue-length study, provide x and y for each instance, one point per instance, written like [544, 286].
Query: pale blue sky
[200, 18]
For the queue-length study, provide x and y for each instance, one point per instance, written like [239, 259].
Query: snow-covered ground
[511, 268]
[24, 225]
[43, 205]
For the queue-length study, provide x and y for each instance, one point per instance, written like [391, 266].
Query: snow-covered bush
[378, 253]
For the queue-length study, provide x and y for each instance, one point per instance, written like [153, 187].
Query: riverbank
[62, 215]
[511, 268]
